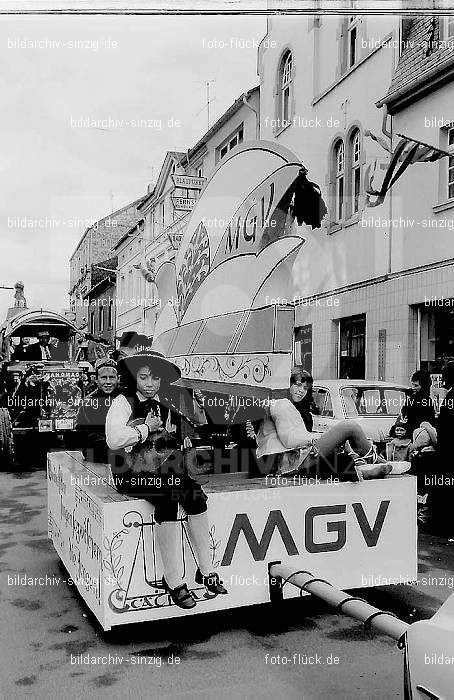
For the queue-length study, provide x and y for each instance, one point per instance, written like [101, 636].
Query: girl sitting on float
[285, 446]
[144, 431]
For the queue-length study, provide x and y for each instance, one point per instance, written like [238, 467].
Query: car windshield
[372, 401]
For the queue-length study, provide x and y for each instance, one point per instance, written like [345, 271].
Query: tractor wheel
[6, 441]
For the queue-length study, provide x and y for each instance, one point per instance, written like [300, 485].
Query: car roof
[339, 383]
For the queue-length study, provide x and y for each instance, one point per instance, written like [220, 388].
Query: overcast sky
[121, 68]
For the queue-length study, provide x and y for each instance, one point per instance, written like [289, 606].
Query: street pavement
[248, 653]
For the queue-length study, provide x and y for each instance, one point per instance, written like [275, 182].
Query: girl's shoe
[180, 595]
[371, 465]
[376, 471]
[211, 583]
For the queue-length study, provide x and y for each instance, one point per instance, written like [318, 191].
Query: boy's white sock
[167, 537]
[198, 528]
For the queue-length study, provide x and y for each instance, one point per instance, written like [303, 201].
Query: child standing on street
[400, 447]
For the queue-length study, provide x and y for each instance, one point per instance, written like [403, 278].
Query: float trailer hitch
[428, 644]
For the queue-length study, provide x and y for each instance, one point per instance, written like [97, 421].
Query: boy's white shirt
[118, 433]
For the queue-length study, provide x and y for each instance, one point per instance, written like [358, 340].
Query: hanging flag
[378, 139]
[407, 152]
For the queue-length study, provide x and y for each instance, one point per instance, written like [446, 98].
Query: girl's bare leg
[349, 431]
[335, 438]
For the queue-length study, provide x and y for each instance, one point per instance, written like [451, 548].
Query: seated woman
[144, 429]
[300, 394]
[342, 452]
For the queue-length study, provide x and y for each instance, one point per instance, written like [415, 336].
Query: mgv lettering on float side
[276, 520]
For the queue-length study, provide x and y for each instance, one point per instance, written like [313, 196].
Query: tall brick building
[95, 246]
[100, 301]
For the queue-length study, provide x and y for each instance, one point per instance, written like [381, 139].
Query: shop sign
[189, 182]
[183, 203]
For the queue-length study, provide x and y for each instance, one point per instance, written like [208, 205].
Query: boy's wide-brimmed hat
[131, 339]
[155, 360]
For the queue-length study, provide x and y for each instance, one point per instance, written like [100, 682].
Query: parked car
[374, 405]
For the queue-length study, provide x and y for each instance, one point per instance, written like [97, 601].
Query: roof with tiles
[425, 51]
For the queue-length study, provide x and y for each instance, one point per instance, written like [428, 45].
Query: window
[449, 26]
[162, 214]
[101, 319]
[233, 140]
[340, 178]
[92, 323]
[436, 337]
[372, 401]
[356, 170]
[200, 170]
[110, 314]
[323, 402]
[352, 33]
[346, 177]
[303, 347]
[451, 164]
[285, 87]
[130, 285]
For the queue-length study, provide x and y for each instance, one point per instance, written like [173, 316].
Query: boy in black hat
[144, 429]
[131, 342]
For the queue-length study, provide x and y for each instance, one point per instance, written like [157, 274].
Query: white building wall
[419, 197]
[375, 259]
[331, 258]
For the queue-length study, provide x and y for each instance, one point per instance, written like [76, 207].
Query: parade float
[39, 398]
[227, 321]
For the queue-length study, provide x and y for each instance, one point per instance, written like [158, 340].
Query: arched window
[286, 86]
[355, 146]
[339, 159]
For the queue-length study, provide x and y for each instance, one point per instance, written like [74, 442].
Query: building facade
[95, 246]
[360, 282]
[420, 102]
[100, 301]
[144, 247]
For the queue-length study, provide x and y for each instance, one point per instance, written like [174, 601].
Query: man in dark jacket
[91, 418]
[42, 350]
[445, 423]
[418, 406]
[441, 478]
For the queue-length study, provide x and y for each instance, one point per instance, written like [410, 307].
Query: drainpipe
[257, 118]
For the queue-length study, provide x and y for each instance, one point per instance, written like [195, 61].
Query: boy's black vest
[140, 410]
